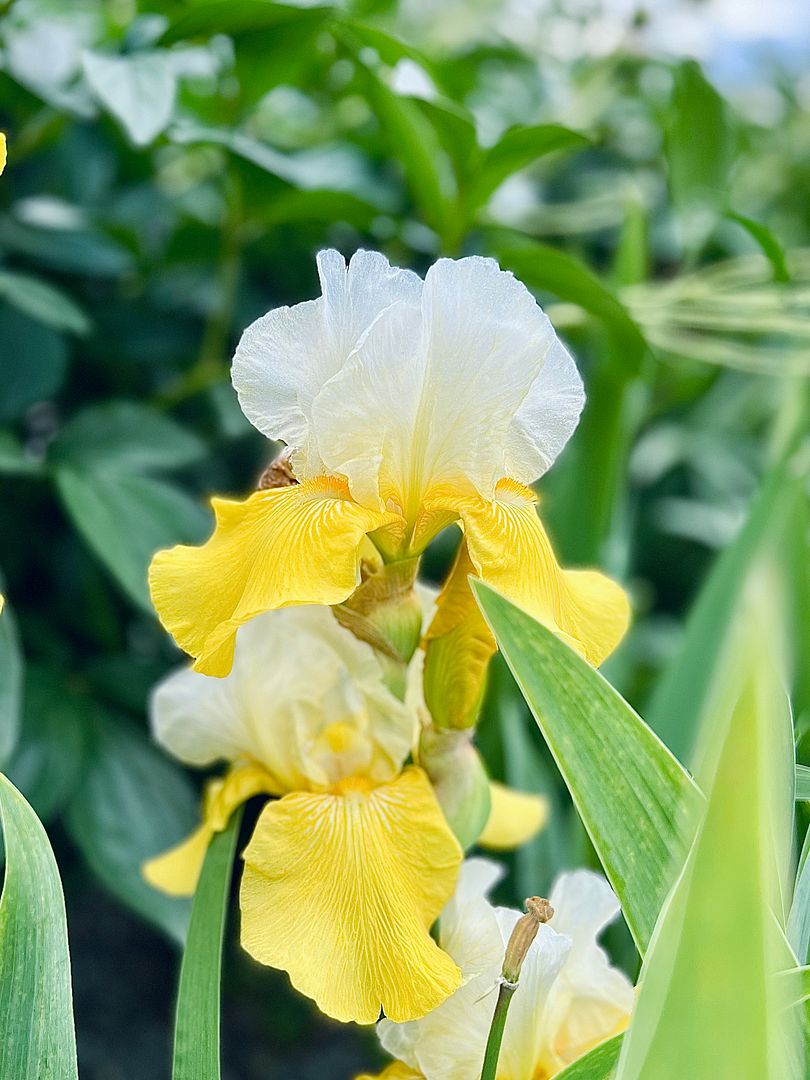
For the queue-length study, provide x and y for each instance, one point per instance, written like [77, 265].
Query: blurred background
[173, 168]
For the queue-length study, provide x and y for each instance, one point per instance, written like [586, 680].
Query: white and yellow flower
[407, 405]
[568, 1000]
[353, 860]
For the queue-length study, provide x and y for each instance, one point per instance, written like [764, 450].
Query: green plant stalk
[493, 1050]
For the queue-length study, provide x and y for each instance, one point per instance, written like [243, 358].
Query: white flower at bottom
[569, 998]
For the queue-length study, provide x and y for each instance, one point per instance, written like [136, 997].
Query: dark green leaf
[132, 804]
[125, 519]
[11, 671]
[47, 763]
[37, 1040]
[196, 1031]
[631, 793]
[237, 17]
[123, 436]
[34, 362]
[43, 302]
[79, 251]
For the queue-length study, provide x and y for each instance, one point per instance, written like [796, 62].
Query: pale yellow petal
[514, 818]
[177, 870]
[2, 151]
[284, 546]
[340, 891]
[511, 552]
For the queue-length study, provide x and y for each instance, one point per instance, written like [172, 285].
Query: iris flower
[568, 1000]
[406, 405]
[352, 861]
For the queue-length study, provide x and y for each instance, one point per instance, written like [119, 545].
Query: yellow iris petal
[340, 891]
[459, 645]
[395, 1071]
[177, 870]
[293, 545]
[2, 151]
[514, 818]
[511, 551]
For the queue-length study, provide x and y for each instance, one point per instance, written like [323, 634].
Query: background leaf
[11, 671]
[132, 803]
[37, 1040]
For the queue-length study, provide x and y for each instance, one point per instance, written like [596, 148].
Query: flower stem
[493, 1050]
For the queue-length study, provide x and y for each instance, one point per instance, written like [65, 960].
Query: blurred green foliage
[173, 168]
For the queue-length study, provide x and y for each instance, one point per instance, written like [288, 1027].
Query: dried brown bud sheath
[278, 474]
[538, 910]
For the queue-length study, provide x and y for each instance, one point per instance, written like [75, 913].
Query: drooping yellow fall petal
[177, 870]
[511, 551]
[395, 1071]
[340, 891]
[2, 151]
[459, 645]
[514, 818]
[283, 546]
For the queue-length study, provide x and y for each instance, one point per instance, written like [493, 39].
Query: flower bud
[459, 780]
[384, 609]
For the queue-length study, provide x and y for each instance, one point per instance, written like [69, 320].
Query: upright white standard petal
[285, 357]
[568, 995]
[305, 699]
[404, 389]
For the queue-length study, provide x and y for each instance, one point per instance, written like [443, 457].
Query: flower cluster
[333, 684]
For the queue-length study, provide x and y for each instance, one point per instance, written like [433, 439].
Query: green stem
[493, 1050]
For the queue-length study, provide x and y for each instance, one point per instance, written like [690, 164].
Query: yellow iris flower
[568, 1000]
[353, 860]
[407, 405]
[3, 151]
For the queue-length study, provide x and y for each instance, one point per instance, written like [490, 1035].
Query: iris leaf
[630, 791]
[37, 1039]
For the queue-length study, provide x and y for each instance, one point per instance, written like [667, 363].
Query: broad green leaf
[139, 89]
[47, 762]
[680, 695]
[598, 1064]
[548, 269]
[125, 519]
[413, 142]
[699, 145]
[37, 1040]
[131, 804]
[196, 1029]
[709, 1005]
[127, 437]
[631, 793]
[43, 302]
[770, 246]
[238, 17]
[79, 251]
[803, 782]
[11, 673]
[798, 924]
[519, 147]
[34, 362]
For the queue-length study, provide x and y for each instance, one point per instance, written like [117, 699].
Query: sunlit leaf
[139, 89]
[630, 792]
[36, 999]
[771, 248]
[598, 1064]
[709, 1005]
[196, 1029]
